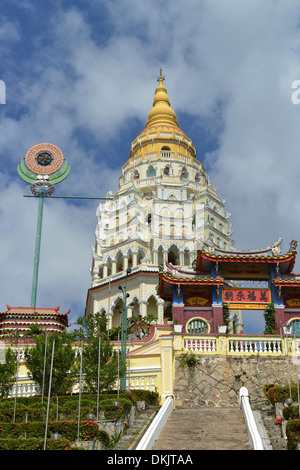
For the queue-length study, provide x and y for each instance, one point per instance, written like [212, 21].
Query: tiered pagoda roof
[20, 318]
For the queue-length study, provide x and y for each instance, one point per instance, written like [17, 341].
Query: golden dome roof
[161, 113]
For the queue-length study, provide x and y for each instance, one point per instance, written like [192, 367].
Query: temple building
[164, 204]
[241, 279]
[17, 320]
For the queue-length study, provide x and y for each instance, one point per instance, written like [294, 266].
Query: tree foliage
[269, 315]
[8, 370]
[93, 332]
[63, 370]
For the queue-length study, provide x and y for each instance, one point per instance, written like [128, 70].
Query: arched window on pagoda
[109, 266]
[173, 255]
[129, 254]
[172, 230]
[165, 152]
[152, 307]
[186, 257]
[120, 261]
[117, 314]
[140, 255]
[150, 171]
[160, 254]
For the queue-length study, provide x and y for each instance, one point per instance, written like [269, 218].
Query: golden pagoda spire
[161, 113]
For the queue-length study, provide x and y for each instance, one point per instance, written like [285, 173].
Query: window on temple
[165, 212]
[141, 255]
[160, 254]
[184, 172]
[172, 230]
[161, 229]
[120, 261]
[179, 213]
[129, 254]
[150, 171]
[173, 255]
[152, 307]
[295, 324]
[197, 325]
[187, 260]
[109, 267]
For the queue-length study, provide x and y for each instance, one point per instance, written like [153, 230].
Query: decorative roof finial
[161, 113]
[161, 78]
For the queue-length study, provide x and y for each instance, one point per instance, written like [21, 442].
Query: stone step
[204, 429]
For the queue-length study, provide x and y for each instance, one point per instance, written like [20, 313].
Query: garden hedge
[28, 430]
[34, 444]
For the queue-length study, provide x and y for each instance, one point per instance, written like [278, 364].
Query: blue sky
[82, 75]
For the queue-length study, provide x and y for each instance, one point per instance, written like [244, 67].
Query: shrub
[34, 444]
[110, 411]
[293, 433]
[278, 394]
[290, 412]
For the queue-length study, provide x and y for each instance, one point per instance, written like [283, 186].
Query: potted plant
[222, 329]
[177, 327]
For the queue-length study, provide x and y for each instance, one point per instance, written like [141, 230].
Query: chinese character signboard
[254, 299]
[197, 301]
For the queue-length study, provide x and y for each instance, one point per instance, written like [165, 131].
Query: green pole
[37, 249]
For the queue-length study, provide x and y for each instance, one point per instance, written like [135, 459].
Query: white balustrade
[144, 382]
[235, 345]
[252, 346]
[200, 345]
[24, 390]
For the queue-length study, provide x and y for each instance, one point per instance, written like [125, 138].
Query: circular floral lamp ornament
[43, 167]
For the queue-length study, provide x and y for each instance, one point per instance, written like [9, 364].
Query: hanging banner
[254, 299]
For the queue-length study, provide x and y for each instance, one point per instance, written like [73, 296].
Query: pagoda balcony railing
[271, 345]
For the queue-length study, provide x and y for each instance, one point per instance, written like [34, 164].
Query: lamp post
[124, 329]
[43, 167]
[287, 331]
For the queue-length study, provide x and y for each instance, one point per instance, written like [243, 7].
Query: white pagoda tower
[164, 204]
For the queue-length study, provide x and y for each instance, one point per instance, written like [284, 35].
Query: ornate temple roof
[208, 253]
[250, 264]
